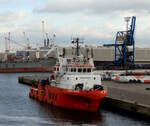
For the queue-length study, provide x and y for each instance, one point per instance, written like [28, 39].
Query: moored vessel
[74, 85]
[45, 65]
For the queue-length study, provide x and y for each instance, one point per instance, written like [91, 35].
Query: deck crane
[13, 41]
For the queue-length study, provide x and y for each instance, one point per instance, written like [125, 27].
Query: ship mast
[77, 42]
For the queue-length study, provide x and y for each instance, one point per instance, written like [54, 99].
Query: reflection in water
[72, 116]
[17, 109]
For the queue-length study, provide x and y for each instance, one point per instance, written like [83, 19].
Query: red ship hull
[66, 98]
[24, 70]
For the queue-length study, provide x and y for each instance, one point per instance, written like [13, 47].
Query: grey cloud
[94, 6]
[8, 1]
[7, 16]
[10, 16]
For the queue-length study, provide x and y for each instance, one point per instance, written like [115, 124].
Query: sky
[94, 21]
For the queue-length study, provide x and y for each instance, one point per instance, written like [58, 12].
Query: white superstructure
[71, 73]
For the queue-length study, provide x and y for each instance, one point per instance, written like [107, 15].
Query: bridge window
[79, 70]
[88, 70]
[84, 70]
[58, 69]
[74, 69]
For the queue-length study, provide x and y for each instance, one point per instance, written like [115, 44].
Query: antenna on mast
[77, 42]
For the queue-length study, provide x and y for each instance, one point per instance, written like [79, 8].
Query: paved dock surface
[136, 92]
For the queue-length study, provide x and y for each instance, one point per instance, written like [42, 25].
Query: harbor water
[17, 109]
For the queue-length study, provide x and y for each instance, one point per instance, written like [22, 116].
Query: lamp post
[127, 19]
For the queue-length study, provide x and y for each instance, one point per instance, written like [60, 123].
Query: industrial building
[104, 56]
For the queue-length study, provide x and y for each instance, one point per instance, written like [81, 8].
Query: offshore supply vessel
[74, 85]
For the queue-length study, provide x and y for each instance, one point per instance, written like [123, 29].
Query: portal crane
[125, 47]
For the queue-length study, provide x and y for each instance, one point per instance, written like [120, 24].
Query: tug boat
[73, 85]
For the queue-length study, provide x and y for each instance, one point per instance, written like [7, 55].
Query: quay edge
[108, 102]
[126, 105]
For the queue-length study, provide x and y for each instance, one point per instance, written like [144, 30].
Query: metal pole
[127, 19]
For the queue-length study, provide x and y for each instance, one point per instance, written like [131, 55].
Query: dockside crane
[125, 46]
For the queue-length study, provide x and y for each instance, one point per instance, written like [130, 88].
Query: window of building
[74, 69]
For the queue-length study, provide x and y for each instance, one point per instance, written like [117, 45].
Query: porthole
[52, 95]
[49, 95]
[55, 97]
